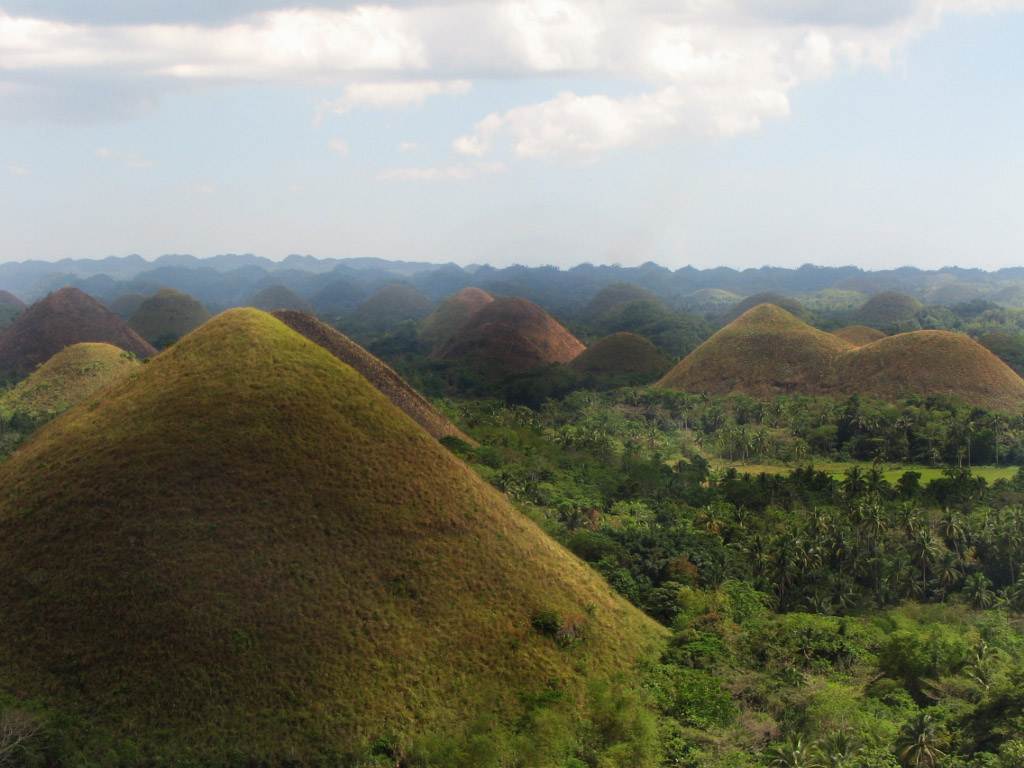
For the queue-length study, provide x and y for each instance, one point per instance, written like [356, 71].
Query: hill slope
[763, 353]
[74, 374]
[890, 309]
[621, 353]
[932, 363]
[279, 297]
[611, 296]
[859, 335]
[792, 306]
[512, 334]
[393, 386]
[167, 316]
[251, 553]
[62, 318]
[441, 324]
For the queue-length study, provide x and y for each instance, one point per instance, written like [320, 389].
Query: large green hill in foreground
[244, 551]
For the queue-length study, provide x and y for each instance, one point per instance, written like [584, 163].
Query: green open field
[892, 472]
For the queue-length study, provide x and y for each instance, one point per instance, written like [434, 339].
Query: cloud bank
[648, 70]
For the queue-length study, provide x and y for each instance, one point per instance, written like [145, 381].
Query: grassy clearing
[892, 473]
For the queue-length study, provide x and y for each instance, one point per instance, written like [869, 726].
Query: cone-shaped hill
[10, 307]
[792, 306]
[512, 334]
[279, 297]
[392, 305]
[441, 324]
[247, 551]
[890, 309]
[932, 363]
[74, 374]
[621, 354]
[127, 304]
[613, 295]
[763, 353]
[167, 316]
[859, 335]
[62, 318]
[382, 376]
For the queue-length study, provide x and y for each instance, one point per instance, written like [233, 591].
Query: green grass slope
[765, 352]
[792, 306]
[621, 353]
[245, 551]
[72, 375]
[279, 297]
[127, 304]
[392, 305]
[441, 324]
[611, 296]
[167, 316]
[931, 363]
[890, 309]
[382, 376]
[859, 335]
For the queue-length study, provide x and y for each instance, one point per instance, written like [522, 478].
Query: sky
[742, 133]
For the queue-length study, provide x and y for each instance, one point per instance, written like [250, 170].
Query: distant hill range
[63, 318]
[337, 286]
[250, 556]
[767, 352]
[512, 334]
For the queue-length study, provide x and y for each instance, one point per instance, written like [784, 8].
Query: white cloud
[696, 68]
[19, 170]
[338, 145]
[394, 95]
[409, 146]
[457, 172]
[128, 158]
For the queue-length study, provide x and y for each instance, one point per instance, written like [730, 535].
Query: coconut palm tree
[840, 749]
[793, 753]
[918, 742]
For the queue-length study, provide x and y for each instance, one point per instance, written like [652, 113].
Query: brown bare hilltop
[859, 335]
[440, 325]
[763, 353]
[62, 318]
[512, 334]
[621, 353]
[931, 363]
[383, 377]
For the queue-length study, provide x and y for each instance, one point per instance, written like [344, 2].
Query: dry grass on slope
[382, 376]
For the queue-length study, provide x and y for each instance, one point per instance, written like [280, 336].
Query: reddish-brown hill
[441, 324]
[383, 377]
[8, 299]
[931, 363]
[859, 335]
[512, 334]
[764, 352]
[62, 318]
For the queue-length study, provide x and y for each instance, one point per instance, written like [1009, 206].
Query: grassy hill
[512, 334]
[792, 306]
[167, 316]
[765, 352]
[441, 325]
[244, 553]
[712, 300]
[279, 297]
[889, 310]
[393, 386]
[391, 305]
[859, 335]
[611, 296]
[60, 319]
[621, 353]
[932, 363]
[71, 376]
[127, 304]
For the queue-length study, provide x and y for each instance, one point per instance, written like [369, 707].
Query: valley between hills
[365, 513]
